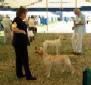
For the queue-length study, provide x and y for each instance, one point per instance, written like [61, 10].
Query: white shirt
[31, 22]
[80, 28]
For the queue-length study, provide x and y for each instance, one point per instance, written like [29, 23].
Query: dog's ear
[36, 48]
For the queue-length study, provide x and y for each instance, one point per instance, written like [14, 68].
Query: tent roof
[42, 3]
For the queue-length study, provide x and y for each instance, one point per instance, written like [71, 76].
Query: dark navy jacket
[20, 39]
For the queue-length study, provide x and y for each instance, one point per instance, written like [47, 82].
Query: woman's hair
[20, 11]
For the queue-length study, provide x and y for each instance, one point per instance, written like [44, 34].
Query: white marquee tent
[42, 3]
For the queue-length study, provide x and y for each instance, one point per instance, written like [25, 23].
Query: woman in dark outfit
[20, 43]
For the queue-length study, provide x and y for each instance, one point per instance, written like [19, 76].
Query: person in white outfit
[32, 24]
[6, 22]
[79, 31]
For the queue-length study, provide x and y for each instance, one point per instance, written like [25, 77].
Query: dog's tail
[67, 61]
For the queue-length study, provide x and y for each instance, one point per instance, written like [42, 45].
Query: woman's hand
[17, 30]
[22, 31]
[14, 25]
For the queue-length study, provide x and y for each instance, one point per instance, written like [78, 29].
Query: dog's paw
[72, 72]
[48, 75]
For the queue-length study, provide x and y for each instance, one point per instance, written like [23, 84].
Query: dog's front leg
[57, 50]
[48, 70]
[45, 47]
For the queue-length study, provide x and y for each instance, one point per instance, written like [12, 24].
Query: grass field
[7, 63]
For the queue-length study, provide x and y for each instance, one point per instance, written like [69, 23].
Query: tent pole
[47, 13]
[75, 3]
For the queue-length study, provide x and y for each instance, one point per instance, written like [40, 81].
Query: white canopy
[42, 3]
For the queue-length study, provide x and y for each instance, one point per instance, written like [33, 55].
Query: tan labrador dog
[49, 43]
[49, 60]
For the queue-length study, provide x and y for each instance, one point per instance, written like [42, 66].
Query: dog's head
[39, 50]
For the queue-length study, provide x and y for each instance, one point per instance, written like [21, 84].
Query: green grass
[7, 63]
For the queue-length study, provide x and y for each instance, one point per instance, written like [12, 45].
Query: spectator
[6, 23]
[32, 24]
[79, 31]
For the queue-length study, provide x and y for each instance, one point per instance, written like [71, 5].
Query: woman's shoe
[19, 77]
[31, 78]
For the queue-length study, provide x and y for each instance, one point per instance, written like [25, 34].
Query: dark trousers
[22, 61]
